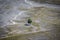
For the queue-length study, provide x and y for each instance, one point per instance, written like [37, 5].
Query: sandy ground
[14, 15]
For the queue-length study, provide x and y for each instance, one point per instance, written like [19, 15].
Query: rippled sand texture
[45, 22]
